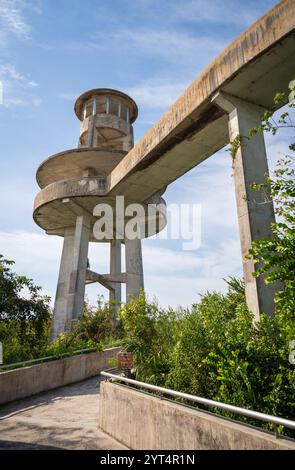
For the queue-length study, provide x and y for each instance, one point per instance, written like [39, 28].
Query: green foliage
[24, 315]
[251, 365]
[25, 321]
[149, 333]
[234, 146]
[201, 331]
[69, 344]
[276, 256]
[97, 327]
[215, 350]
[99, 322]
[268, 123]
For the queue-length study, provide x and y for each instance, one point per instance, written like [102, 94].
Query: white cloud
[157, 93]
[37, 256]
[174, 277]
[68, 96]
[170, 44]
[10, 72]
[32, 84]
[17, 88]
[12, 17]
[215, 11]
[173, 46]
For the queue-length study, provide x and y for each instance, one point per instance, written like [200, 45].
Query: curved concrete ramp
[64, 418]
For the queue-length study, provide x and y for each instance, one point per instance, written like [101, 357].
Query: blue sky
[53, 50]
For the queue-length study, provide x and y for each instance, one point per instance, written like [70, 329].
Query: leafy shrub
[95, 328]
[149, 333]
[215, 350]
[24, 315]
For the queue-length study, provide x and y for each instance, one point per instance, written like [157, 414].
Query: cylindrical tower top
[106, 101]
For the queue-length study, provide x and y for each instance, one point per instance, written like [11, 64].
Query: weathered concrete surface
[66, 418]
[115, 268]
[69, 300]
[85, 97]
[254, 67]
[255, 217]
[61, 298]
[27, 381]
[134, 267]
[141, 421]
[100, 160]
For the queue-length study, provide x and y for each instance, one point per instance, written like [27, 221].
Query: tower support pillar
[115, 268]
[134, 268]
[255, 216]
[60, 316]
[69, 300]
[79, 267]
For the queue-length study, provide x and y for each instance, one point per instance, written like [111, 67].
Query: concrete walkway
[64, 418]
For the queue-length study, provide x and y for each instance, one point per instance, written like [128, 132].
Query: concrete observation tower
[73, 183]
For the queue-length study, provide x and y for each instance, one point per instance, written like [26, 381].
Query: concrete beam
[116, 278]
[92, 277]
[254, 214]
[254, 67]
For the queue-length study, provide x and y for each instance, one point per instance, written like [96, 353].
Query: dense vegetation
[215, 350]
[25, 321]
[24, 315]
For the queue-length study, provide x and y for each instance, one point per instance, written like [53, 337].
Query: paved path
[64, 418]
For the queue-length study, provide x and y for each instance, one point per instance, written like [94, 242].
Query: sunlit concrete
[65, 418]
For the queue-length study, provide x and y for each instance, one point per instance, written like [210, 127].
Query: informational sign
[125, 360]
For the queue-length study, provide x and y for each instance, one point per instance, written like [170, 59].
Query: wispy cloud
[199, 271]
[171, 45]
[12, 17]
[209, 11]
[157, 93]
[68, 96]
[215, 11]
[17, 88]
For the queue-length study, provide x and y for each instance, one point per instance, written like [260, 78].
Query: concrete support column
[115, 268]
[134, 268]
[76, 293]
[255, 216]
[91, 131]
[70, 292]
[60, 316]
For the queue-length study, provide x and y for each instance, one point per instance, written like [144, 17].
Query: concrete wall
[27, 381]
[143, 422]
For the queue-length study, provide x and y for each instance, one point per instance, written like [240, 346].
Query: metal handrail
[205, 401]
[15, 365]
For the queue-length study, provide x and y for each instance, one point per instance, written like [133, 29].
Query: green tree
[24, 315]
[150, 333]
[276, 256]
